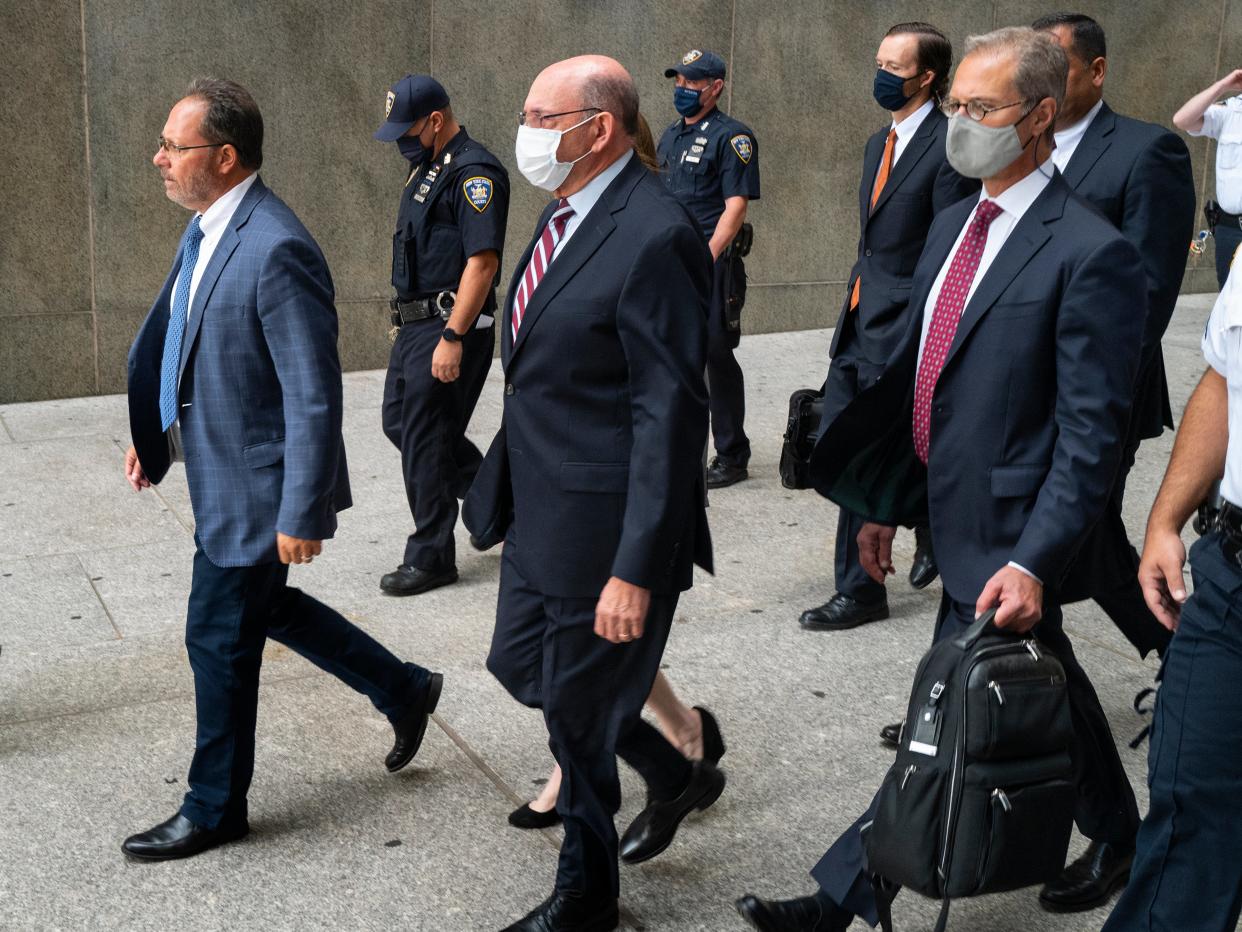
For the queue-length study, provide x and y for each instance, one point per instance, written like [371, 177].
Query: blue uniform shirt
[706, 162]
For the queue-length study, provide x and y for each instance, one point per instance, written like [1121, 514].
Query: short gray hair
[614, 94]
[1042, 65]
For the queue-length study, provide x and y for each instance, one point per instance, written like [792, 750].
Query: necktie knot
[985, 213]
[194, 232]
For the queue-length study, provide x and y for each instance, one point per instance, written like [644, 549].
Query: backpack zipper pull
[1033, 650]
[936, 692]
[999, 794]
[906, 776]
[995, 687]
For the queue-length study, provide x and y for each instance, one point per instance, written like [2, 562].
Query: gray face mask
[978, 151]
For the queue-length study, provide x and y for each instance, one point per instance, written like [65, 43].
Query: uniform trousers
[1105, 811]
[426, 420]
[546, 654]
[848, 376]
[1187, 872]
[1228, 238]
[725, 384]
[232, 612]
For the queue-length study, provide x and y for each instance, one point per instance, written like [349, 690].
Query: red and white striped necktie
[540, 259]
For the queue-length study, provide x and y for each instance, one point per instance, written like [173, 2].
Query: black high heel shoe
[525, 817]
[713, 741]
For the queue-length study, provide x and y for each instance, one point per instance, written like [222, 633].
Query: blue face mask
[889, 90]
[686, 100]
[414, 150]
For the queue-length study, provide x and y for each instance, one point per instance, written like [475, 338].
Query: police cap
[697, 64]
[408, 101]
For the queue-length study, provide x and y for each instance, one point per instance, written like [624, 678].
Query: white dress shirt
[1069, 138]
[1223, 122]
[213, 222]
[1014, 201]
[908, 127]
[582, 201]
[1222, 348]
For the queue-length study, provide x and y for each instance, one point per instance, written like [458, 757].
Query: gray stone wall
[87, 236]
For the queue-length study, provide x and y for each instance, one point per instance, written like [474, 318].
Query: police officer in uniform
[446, 259]
[711, 162]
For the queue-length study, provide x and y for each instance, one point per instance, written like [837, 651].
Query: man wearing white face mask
[1007, 403]
[595, 481]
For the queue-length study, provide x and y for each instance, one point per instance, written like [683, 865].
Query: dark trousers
[848, 376]
[426, 420]
[546, 654]
[1106, 570]
[1228, 238]
[232, 612]
[1187, 873]
[725, 385]
[1105, 811]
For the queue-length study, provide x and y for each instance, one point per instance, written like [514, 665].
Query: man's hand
[133, 471]
[1232, 81]
[446, 361]
[1160, 573]
[1020, 597]
[621, 611]
[875, 550]
[296, 550]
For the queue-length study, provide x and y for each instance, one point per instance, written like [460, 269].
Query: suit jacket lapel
[506, 317]
[219, 258]
[1094, 143]
[1027, 238]
[915, 149]
[872, 155]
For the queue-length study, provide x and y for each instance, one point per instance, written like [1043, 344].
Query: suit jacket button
[509, 389]
[867, 253]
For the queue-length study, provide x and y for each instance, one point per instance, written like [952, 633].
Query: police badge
[691, 56]
[478, 192]
[388, 102]
[742, 146]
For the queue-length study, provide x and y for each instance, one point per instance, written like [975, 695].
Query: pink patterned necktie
[949, 306]
[540, 259]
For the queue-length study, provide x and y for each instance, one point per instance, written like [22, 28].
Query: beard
[191, 190]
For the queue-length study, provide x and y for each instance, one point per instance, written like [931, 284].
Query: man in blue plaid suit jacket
[235, 371]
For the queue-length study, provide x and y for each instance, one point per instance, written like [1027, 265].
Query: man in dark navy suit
[906, 182]
[595, 480]
[235, 372]
[1000, 420]
[1138, 175]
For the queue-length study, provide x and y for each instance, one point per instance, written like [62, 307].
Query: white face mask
[978, 151]
[536, 155]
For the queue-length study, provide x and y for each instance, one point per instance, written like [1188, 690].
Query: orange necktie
[881, 178]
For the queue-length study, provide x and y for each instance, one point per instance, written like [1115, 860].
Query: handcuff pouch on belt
[735, 277]
[407, 312]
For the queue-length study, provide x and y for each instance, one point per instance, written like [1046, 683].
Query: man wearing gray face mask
[1008, 401]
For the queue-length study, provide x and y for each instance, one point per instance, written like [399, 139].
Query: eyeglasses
[975, 110]
[537, 119]
[173, 149]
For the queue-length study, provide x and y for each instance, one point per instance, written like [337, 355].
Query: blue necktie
[170, 368]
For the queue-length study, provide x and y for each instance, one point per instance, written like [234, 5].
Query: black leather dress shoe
[654, 828]
[842, 612]
[809, 914]
[1089, 881]
[410, 580]
[569, 912]
[923, 571]
[713, 741]
[410, 728]
[526, 817]
[181, 838]
[890, 735]
[721, 474]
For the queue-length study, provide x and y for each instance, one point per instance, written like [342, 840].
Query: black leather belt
[1229, 523]
[406, 312]
[1223, 218]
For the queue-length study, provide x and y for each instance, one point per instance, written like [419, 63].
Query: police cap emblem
[388, 102]
[743, 147]
[691, 56]
[478, 192]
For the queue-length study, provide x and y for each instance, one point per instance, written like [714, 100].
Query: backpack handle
[976, 631]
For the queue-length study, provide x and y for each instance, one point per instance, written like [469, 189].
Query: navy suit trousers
[232, 612]
[1187, 873]
[546, 653]
[1106, 810]
[426, 420]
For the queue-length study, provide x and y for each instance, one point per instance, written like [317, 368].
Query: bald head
[585, 88]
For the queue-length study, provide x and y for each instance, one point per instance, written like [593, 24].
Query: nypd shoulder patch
[478, 192]
[743, 147]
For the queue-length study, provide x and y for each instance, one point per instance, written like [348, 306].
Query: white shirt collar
[1017, 198]
[1072, 135]
[583, 200]
[216, 217]
[910, 125]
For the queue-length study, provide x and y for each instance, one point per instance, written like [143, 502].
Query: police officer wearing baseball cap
[445, 261]
[711, 162]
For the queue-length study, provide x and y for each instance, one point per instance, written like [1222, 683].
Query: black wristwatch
[451, 335]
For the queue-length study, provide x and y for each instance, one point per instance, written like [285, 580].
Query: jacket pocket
[266, 453]
[606, 478]
[1010, 310]
[1017, 481]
